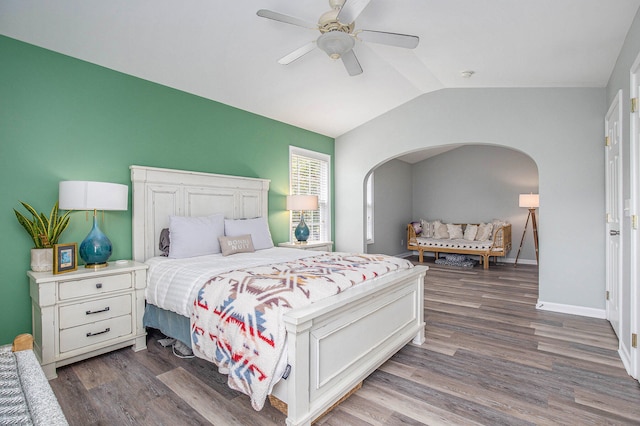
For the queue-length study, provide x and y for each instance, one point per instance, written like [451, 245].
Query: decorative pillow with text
[238, 244]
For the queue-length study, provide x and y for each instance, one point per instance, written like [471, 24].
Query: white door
[613, 194]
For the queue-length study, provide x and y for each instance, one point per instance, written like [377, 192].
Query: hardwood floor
[490, 358]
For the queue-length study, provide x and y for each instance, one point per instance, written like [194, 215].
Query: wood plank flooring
[490, 358]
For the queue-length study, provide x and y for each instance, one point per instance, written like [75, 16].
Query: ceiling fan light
[335, 43]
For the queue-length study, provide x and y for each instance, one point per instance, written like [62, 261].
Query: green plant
[45, 231]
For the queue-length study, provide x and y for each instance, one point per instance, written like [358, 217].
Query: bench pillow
[417, 228]
[440, 230]
[470, 232]
[455, 231]
[484, 232]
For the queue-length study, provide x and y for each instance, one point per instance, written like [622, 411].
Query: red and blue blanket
[237, 316]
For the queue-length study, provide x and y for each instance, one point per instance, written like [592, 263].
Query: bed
[330, 346]
[25, 394]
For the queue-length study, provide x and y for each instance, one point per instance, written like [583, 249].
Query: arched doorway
[468, 183]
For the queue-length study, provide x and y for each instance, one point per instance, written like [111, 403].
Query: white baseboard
[572, 309]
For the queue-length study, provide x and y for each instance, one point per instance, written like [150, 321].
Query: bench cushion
[455, 244]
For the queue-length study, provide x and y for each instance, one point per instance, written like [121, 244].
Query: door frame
[634, 190]
[614, 265]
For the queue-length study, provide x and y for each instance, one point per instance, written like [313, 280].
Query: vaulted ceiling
[222, 50]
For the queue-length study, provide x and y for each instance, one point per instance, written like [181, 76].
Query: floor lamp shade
[529, 201]
[96, 248]
[302, 203]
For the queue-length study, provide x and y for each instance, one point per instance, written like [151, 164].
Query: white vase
[42, 260]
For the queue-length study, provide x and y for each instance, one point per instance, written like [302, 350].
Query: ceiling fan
[337, 36]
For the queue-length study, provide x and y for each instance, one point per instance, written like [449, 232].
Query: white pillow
[258, 228]
[484, 232]
[195, 235]
[455, 231]
[427, 228]
[470, 232]
[440, 230]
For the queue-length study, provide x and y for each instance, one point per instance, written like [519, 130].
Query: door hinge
[607, 218]
[634, 340]
[634, 221]
[607, 294]
[607, 141]
[634, 104]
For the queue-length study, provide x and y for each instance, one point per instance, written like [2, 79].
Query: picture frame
[65, 258]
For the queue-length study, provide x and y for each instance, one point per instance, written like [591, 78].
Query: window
[309, 175]
[370, 209]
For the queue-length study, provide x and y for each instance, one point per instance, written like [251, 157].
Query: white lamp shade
[529, 200]
[302, 202]
[87, 195]
[335, 43]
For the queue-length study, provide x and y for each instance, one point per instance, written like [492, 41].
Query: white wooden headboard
[159, 193]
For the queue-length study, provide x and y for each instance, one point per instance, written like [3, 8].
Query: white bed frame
[333, 345]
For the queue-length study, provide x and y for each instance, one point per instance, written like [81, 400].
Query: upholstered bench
[25, 395]
[460, 239]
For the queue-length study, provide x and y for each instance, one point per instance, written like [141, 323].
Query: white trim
[326, 227]
[571, 309]
[633, 364]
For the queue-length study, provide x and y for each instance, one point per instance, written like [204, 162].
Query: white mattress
[173, 284]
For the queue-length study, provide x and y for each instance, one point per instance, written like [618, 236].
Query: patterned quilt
[237, 316]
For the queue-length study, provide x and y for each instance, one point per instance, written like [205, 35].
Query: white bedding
[173, 284]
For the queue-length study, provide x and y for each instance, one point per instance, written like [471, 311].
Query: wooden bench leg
[421, 255]
[485, 261]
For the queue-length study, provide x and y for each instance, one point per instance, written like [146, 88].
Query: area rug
[458, 260]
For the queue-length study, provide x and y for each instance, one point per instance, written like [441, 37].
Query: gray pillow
[165, 242]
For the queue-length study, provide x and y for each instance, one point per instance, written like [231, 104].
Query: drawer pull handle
[106, 330]
[97, 312]
[99, 285]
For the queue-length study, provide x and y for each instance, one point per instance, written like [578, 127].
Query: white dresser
[87, 312]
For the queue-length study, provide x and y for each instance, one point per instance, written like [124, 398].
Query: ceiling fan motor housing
[329, 22]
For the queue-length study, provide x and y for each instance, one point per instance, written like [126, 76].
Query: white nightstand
[311, 245]
[87, 312]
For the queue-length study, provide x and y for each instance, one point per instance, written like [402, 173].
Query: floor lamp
[531, 202]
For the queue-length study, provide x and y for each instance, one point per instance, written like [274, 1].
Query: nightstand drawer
[93, 286]
[319, 248]
[94, 310]
[90, 334]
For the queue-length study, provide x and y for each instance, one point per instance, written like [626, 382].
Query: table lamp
[302, 203]
[96, 248]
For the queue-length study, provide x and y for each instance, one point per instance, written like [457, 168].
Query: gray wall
[560, 129]
[477, 183]
[392, 207]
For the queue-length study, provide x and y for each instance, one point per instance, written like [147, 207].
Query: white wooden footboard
[336, 343]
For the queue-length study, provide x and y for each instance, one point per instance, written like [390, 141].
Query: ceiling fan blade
[351, 10]
[391, 39]
[351, 63]
[269, 14]
[298, 53]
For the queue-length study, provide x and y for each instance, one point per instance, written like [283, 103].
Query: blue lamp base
[96, 248]
[302, 230]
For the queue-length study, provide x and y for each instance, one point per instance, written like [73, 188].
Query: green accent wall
[66, 119]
